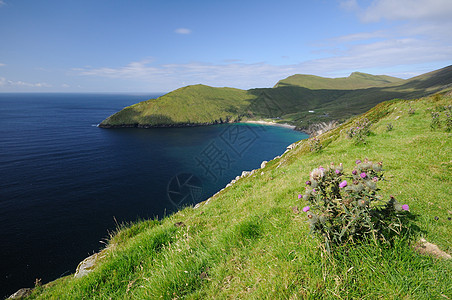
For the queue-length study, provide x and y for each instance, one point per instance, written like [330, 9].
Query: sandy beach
[271, 124]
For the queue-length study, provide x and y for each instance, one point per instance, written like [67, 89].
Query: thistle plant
[448, 121]
[315, 145]
[389, 127]
[359, 131]
[436, 123]
[345, 208]
[411, 111]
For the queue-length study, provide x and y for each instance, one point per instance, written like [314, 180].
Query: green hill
[251, 240]
[356, 80]
[286, 103]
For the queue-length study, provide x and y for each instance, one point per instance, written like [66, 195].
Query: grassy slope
[191, 104]
[356, 80]
[289, 103]
[247, 243]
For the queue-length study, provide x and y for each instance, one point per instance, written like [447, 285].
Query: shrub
[436, 123]
[315, 145]
[359, 131]
[346, 208]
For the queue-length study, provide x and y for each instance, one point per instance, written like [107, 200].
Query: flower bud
[362, 203]
[371, 185]
[377, 167]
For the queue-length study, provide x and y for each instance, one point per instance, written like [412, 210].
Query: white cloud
[432, 10]
[419, 44]
[2, 65]
[2, 3]
[182, 31]
[10, 83]
[171, 76]
[387, 54]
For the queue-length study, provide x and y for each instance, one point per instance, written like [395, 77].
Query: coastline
[261, 122]
[179, 125]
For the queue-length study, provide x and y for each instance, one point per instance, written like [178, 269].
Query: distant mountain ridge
[356, 80]
[299, 100]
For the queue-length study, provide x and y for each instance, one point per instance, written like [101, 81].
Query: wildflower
[363, 175]
[358, 161]
[299, 196]
[354, 172]
[308, 182]
[321, 168]
[343, 184]
[405, 207]
[337, 172]
[377, 167]
[316, 174]
[375, 179]
[306, 208]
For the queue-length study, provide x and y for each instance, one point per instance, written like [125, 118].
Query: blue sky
[158, 46]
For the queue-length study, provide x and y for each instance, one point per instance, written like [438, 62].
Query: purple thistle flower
[405, 207]
[363, 175]
[343, 184]
[308, 182]
[306, 208]
[354, 172]
[313, 190]
[321, 168]
[337, 172]
[299, 196]
[357, 161]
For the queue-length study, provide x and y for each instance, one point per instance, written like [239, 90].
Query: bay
[65, 183]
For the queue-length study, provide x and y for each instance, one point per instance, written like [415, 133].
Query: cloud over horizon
[5, 82]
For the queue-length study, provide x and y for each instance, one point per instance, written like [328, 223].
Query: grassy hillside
[187, 105]
[287, 103]
[356, 80]
[248, 242]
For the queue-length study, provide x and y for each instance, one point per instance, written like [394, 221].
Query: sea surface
[65, 183]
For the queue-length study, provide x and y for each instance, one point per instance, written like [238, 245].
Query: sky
[142, 46]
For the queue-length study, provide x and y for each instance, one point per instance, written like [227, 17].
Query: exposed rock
[291, 146]
[88, 264]
[20, 294]
[319, 128]
[425, 247]
[245, 174]
[263, 164]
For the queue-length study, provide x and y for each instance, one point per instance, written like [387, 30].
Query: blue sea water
[64, 182]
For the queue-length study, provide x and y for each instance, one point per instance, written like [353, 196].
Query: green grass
[291, 102]
[356, 80]
[247, 243]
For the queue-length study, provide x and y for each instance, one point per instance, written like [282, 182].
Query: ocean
[65, 184]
